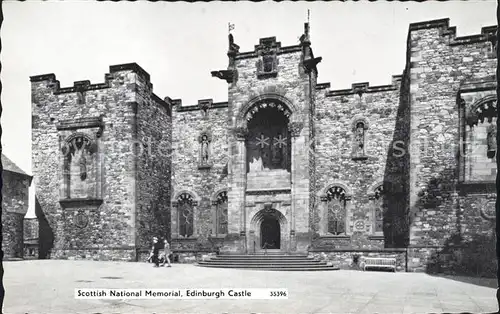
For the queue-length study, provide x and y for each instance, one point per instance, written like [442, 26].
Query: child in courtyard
[166, 253]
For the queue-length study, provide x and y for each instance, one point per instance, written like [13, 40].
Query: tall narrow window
[186, 217]
[221, 216]
[378, 210]
[336, 210]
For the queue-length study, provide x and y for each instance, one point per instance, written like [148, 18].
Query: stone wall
[353, 260]
[15, 203]
[289, 85]
[189, 175]
[104, 220]
[154, 153]
[338, 165]
[440, 66]
[12, 229]
[440, 63]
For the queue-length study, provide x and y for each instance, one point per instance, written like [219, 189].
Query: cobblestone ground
[47, 286]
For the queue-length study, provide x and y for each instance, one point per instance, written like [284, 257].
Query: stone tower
[270, 130]
[101, 160]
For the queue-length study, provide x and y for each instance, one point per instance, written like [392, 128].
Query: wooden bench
[379, 262]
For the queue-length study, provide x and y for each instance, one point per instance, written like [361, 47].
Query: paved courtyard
[47, 286]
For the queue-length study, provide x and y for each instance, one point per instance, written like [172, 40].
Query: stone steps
[267, 262]
[263, 261]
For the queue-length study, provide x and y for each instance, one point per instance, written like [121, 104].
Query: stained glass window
[336, 210]
[185, 211]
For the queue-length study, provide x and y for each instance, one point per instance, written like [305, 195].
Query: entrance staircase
[269, 261]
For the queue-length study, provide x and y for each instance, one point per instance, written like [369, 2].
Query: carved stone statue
[491, 140]
[204, 149]
[233, 48]
[360, 138]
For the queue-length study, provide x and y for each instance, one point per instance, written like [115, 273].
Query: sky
[179, 44]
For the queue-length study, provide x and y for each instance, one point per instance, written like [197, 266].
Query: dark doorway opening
[270, 233]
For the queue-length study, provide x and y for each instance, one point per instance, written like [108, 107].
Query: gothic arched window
[221, 213]
[186, 216]
[378, 210]
[78, 158]
[336, 204]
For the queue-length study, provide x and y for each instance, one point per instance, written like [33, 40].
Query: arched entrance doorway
[270, 233]
[269, 230]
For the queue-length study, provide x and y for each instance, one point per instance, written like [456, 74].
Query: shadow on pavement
[478, 281]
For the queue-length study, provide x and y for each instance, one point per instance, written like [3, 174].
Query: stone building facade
[289, 164]
[15, 203]
[101, 165]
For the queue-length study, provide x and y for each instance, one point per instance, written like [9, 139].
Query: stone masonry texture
[417, 150]
[15, 202]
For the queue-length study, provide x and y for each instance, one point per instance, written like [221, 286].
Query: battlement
[86, 85]
[488, 33]
[203, 104]
[268, 43]
[361, 88]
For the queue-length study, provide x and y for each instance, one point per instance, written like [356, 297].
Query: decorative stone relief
[204, 106]
[240, 132]
[81, 220]
[488, 210]
[295, 128]
[267, 65]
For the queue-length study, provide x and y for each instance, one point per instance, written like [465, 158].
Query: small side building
[15, 203]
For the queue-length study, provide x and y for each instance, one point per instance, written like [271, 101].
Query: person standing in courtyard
[166, 252]
[155, 251]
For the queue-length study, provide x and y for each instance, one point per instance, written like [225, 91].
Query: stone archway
[268, 143]
[269, 230]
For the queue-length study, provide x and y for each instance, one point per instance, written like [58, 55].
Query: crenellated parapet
[268, 44]
[361, 88]
[202, 105]
[85, 85]
[111, 78]
[488, 33]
